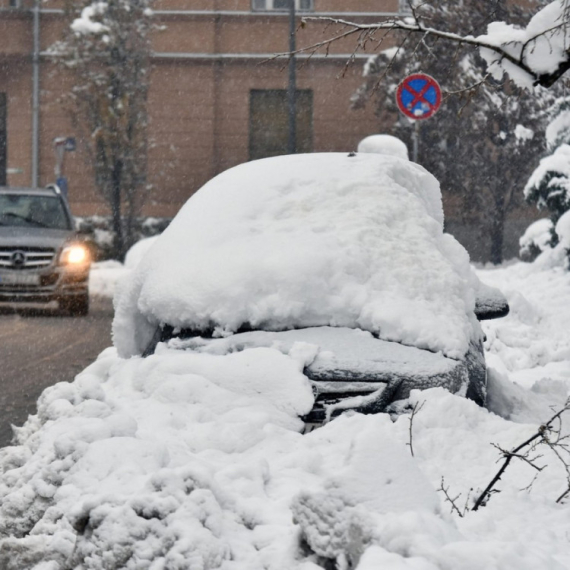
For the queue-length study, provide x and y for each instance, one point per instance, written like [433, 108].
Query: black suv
[42, 257]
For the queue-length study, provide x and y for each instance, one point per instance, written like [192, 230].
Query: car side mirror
[490, 303]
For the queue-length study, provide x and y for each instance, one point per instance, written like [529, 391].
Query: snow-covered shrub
[548, 188]
[553, 252]
[536, 239]
[549, 185]
[100, 231]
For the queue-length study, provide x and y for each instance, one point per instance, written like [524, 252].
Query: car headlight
[74, 255]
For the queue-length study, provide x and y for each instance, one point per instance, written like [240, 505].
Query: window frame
[269, 6]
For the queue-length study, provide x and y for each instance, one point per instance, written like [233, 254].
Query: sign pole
[416, 141]
[418, 97]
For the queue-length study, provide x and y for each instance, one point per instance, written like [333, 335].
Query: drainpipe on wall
[36, 95]
[292, 88]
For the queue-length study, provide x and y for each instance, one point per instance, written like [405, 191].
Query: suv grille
[26, 257]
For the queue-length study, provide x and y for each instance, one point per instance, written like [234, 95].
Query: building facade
[217, 98]
[217, 95]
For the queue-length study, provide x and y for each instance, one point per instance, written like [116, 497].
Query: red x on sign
[418, 96]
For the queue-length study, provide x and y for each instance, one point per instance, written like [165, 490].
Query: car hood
[33, 237]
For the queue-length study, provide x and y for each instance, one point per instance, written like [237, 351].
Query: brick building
[215, 101]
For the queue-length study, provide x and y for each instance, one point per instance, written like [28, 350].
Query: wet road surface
[39, 349]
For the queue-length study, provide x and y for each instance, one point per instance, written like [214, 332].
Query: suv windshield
[26, 210]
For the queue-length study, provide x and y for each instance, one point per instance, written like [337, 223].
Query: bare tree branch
[541, 436]
[415, 25]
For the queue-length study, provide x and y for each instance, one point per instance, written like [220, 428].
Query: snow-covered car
[339, 258]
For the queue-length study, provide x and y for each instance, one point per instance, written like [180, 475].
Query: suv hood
[33, 237]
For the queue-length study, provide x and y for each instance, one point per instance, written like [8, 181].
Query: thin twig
[452, 500]
[417, 407]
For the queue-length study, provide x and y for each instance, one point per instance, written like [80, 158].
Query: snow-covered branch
[536, 55]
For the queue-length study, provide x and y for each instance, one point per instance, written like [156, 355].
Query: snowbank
[195, 461]
[308, 240]
[104, 277]
[533, 342]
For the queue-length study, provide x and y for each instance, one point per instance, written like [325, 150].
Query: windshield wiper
[25, 219]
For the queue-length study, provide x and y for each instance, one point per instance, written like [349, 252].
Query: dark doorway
[268, 122]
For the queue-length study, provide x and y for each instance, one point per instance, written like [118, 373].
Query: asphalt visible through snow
[39, 349]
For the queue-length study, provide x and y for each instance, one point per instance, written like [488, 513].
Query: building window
[269, 122]
[3, 138]
[281, 5]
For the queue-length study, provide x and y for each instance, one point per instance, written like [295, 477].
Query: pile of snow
[532, 343]
[104, 277]
[308, 240]
[196, 460]
[384, 144]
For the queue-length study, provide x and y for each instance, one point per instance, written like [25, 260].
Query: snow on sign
[418, 96]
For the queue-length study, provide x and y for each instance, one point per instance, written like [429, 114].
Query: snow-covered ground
[196, 461]
[104, 277]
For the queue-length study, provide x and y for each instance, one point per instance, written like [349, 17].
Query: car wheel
[477, 371]
[76, 306]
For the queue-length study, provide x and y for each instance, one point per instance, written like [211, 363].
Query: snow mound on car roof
[384, 144]
[307, 240]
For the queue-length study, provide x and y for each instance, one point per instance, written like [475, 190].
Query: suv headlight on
[74, 255]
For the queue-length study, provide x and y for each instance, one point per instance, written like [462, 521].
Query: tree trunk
[497, 234]
[119, 245]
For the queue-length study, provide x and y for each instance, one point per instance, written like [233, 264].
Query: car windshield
[26, 210]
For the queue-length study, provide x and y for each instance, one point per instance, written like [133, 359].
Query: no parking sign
[419, 96]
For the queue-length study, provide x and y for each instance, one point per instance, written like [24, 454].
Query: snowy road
[40, 350]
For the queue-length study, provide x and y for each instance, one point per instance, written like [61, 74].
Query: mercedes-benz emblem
[18, 259]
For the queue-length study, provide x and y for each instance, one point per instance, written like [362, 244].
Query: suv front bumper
[43, 286]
